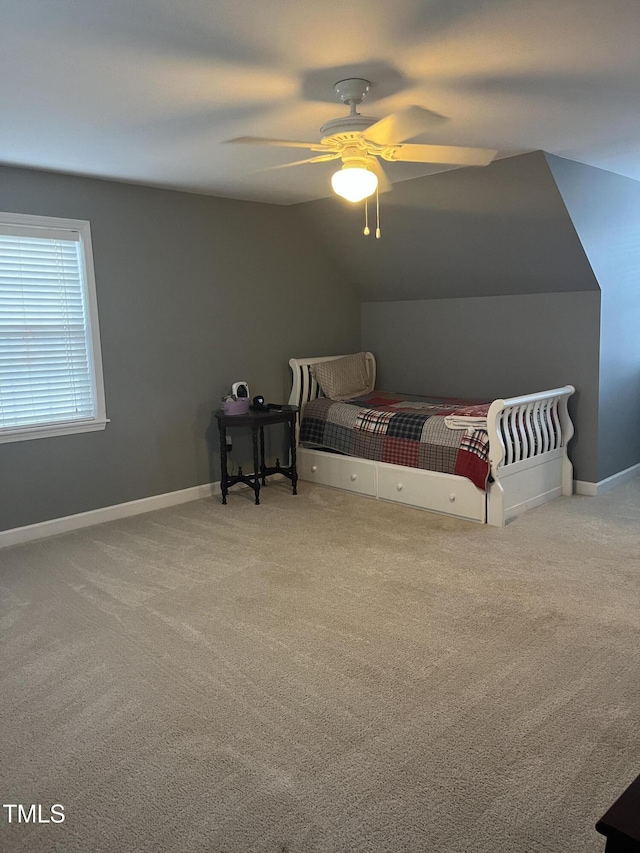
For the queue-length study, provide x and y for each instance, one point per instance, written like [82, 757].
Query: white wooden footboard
[528, 438]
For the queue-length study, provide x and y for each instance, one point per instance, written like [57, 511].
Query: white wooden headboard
[305, 387]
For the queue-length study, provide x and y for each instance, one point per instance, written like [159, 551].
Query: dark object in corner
[621, 824]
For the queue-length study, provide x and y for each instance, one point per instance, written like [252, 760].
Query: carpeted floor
[323, 673]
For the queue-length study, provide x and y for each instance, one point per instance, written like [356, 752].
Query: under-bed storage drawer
[438, 492]
[343, 472]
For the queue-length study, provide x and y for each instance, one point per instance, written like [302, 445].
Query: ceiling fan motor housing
[346, 128]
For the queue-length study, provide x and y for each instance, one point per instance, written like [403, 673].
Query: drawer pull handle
[399, 487]
[354, 477]
[314, 468]
[452, 497]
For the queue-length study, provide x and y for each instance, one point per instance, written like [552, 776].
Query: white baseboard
[17, 535]
[592, 490]
[584, 487]
[107, 513]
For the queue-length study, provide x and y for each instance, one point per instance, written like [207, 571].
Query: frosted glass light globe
[354, 183]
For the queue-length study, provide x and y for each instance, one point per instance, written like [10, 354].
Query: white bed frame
[528, 438]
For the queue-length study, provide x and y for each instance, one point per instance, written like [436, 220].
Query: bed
[520, 441]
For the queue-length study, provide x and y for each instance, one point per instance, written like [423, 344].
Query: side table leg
[256, 464]
[224, 476]
[292, 438]
[262, 465]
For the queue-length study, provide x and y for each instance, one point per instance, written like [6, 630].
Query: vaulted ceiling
[150, 90]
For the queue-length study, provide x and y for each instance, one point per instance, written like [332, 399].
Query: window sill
[49, 430]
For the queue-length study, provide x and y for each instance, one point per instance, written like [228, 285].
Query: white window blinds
[47, 375]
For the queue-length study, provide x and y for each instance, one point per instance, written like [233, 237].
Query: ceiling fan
[361, 141]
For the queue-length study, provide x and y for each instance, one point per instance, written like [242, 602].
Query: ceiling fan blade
[400, 126]
[280, 143]
[384, 184]
[448, 154]
[323, 158]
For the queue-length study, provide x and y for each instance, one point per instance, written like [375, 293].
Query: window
[50, 365]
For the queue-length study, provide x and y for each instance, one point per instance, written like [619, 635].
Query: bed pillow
[343, 378]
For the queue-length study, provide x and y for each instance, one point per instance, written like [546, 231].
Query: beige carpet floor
[323, 673]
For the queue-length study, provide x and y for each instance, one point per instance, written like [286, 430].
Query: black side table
[621, 824]
[257, 419]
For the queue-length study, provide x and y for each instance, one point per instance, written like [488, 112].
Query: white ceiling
[149, 90]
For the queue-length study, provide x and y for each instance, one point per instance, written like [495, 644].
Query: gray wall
[605, 209]
[489, 347]
[193, 293]
[500, 230]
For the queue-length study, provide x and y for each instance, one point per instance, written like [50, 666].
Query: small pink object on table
[236, 407]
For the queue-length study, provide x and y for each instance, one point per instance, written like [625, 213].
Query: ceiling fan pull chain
[377, 213]
[366, 218]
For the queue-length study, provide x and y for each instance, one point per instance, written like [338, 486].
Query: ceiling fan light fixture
[354, 183]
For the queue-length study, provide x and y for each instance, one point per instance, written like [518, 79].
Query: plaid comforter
[388, 428]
